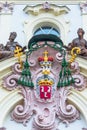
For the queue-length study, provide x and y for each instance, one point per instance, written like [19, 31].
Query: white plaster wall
[15, 22]
[5, 23]
[12, 125]
[75, 18]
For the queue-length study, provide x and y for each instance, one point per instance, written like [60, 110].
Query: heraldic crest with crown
[45, 80]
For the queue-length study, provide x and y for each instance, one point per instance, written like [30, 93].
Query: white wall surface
[75, 21]
[12, 125]
[14, 22]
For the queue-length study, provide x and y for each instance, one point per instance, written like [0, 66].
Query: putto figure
[8, 50]
[79, 42]
[11, 44]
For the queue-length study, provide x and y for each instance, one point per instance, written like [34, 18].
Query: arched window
[47, 30]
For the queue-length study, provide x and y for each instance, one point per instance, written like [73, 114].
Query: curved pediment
[46, 7]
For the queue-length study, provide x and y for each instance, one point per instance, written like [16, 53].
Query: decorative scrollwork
[59, 57]
[10, 82]
[32, 62]
[45, 109]
[16, 68]
[74, 66]
[66, 112]
[80, 83]
[22, 113]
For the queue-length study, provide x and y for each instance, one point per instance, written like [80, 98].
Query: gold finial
[45, 56]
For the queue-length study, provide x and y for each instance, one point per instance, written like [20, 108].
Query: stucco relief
[46, 7]
[83, 7]
[3, 128]
[46, 15]
[6, 7]
[45, 110]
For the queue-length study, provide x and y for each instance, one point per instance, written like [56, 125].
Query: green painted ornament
[65, 76]
[25, 79]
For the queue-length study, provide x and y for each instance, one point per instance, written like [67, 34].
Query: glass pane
[47, 30]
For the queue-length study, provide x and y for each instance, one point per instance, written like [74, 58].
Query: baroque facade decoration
[83, 7]
[47, 7]
[45, 90]
[6, 7]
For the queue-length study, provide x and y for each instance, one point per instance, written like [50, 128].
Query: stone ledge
[42, 1]
[8, 63]
[83, 65]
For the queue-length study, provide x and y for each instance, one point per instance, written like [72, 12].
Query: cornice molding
[46, 7]
[6, 7]
[64, 2]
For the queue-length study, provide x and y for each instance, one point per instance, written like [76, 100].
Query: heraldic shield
[45, 80]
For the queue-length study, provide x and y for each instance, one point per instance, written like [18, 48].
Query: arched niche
[58, 23]
[50, 14]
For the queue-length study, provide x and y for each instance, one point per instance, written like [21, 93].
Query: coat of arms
[45, 81]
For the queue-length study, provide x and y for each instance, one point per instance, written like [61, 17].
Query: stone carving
[8, 50]
[45, 118]
[3, 128]
[79, 42]
[6, 7]
[84, 128]
[3, 52]
[83, 7]
[45, 109]
[46, 5]
[11, 44]
[52, 8]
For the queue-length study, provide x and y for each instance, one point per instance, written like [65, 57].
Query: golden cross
[18, 53]
[45, 56]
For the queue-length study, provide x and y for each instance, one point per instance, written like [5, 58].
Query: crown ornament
[46, 81]
[45, 62]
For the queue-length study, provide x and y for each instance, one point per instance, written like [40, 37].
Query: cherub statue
[4, 53]
[79, 42]
[11, 44]
[8, 50]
